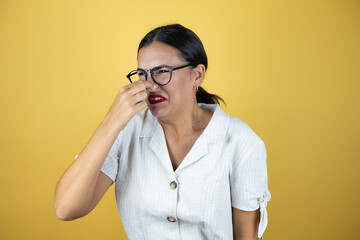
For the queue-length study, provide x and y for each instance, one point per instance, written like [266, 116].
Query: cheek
[180, 91]
[180, 88]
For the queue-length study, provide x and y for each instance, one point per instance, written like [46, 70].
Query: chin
[158, 112]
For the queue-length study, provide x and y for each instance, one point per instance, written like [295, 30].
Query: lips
[155, 99]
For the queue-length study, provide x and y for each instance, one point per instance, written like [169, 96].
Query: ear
[198, 75]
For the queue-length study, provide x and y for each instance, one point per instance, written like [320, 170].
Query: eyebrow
[164, 65]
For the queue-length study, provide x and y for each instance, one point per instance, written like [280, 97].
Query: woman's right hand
[82, 185]
[130, 100]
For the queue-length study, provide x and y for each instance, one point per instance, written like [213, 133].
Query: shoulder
[247, 149]
[241, 130]
[241, 136]
[236, 131]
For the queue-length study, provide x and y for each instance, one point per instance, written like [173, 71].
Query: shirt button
[173, 185]
[171, 219]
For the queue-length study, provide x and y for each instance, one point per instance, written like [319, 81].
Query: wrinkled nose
[155, 88]
[151, 80]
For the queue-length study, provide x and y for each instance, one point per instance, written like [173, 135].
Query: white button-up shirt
[225, 168]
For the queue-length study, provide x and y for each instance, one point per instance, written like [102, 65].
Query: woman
[183, 168]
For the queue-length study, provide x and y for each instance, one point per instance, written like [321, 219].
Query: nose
[150, 79]
[156, 86]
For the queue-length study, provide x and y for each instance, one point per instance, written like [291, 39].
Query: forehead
[157, 54]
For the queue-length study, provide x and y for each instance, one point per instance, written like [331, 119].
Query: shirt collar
[215, 130]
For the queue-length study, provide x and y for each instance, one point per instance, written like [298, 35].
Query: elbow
[65, 210]
[62, 215]
[65, 214]
[68, 211]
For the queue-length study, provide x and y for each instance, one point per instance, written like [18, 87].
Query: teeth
[157, 98]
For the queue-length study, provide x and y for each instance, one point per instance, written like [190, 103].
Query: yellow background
[289, 69]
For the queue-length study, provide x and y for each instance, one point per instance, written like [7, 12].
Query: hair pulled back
[190, 47]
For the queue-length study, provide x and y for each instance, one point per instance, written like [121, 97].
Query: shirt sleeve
[111, 163]
[249, 183]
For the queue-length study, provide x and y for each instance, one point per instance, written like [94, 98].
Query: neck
[191, 120]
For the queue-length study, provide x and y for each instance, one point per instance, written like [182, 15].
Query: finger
[150, 85]
[142, 85]
[140, 96]
[140, 106]
[136, 87]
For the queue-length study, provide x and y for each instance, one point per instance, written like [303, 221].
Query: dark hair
[190, 47]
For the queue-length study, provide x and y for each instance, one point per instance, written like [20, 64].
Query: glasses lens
[161, 75]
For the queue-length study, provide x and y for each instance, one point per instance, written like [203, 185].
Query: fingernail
[155, 86]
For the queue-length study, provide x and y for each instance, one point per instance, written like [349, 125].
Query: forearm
[75, 189]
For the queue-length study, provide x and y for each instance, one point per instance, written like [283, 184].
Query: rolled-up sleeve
[249, 183]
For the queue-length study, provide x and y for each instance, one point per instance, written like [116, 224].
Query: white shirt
[225, 168]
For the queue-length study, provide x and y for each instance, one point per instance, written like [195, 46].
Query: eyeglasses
[161, 75]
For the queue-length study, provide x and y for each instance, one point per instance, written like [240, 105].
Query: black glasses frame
[133, 72]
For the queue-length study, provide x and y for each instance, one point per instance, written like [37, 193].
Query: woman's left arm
[245, 224]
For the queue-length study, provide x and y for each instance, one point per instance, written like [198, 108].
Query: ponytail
[202, 96]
